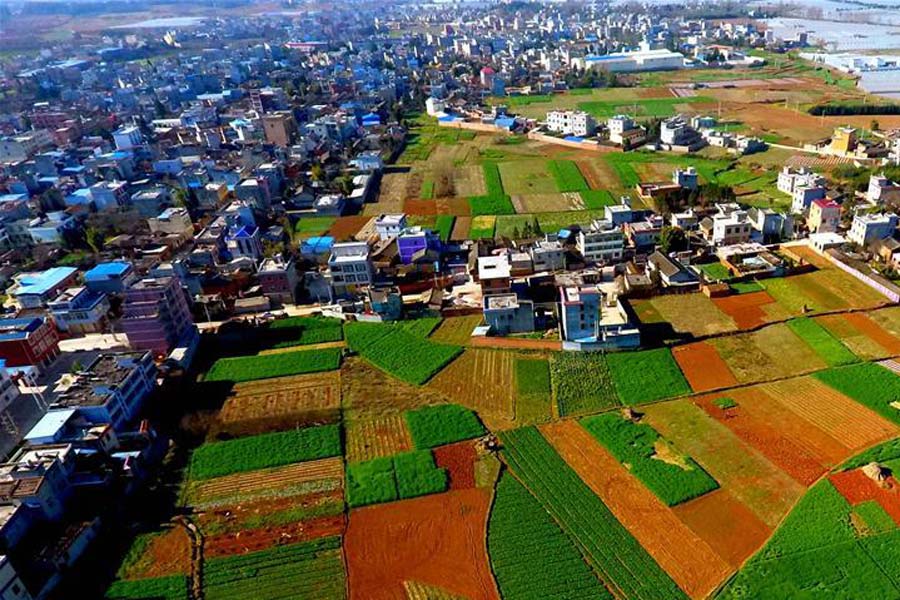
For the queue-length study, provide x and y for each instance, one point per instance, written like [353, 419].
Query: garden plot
[369, 438]
[533, 391]
[646, 376]
[858, 342]
[468, 180]
[871, 328]
[527, 177]
[751, 309]
[367, 392]
[251, 368]
[769, 353]
[456, 330]
[581, 383]
[821, 291]
[391, 195]
[481, 380]
[870, 384]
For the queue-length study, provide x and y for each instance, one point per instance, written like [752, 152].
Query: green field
[530, 555]
[646, 376]
[395, 350]
[868, 384]
[640, 107]
[582, 383]
[299, 331]
[405, 475]
[216, 459]
[443, 225]
[605, 543]
[673, 477]
[313, 226]
[828, 347]
[173, 587]
[567, 176]
[251, 368]
[434, 426]
[533, 390]
[496, 201]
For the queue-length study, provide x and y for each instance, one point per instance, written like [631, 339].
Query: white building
[571, 122]
[619, 126]
[349, 266]
[730, 228]
[128, 137]
[601, 243]
[388, 226]
[867, 228]
[21, 147]
[882, 189]
[434, 106]
[803, 186]
[644, 59]
[172, 221]
[686, 178]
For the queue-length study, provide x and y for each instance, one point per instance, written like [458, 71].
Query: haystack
[631, 414]
[875, 472]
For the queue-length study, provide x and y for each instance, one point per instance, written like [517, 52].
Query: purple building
[416, 239]
[157, 315]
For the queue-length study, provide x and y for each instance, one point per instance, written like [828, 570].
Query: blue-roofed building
[80, 197]
[80, 310]
[505, 123]
[244, 242]
[316, 247]
[371, 120]
[49, 429]
[110, 277]
[34, 290]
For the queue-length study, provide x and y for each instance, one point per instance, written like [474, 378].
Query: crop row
[405, 475]
[867, 383]
[433, 426]
[582, 383]
[250, 368]
[174, 587]
[567, 176]
[607, 545]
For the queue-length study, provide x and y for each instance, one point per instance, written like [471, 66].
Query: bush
[216, 459]
[251, 368]
[673, 478]
[433, 426]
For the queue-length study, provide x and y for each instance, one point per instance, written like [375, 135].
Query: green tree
[94, 238]
[672, 239]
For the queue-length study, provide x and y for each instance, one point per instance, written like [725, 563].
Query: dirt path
[195, 590]
[516, 343]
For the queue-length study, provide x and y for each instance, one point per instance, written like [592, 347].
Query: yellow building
[843, 141]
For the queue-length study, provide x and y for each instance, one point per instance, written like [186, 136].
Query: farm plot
[854, 426]
[702, 366]
[367, 392]
[456, 330]
[689, 561]
[582, 383]
[822, 290]
[306, 570]
[869, 384]
[482, 227]
[402, 476]
[481, 380]
[458, 460]
[531, 556]
[818, 552]
[646, 376]
[609, 548]
[392, 193]
[533, 391]
[300, 331]
[829, 348]
[751, 309]
[673, 477]
[250, 368]
[862, 491]
[468, 180]
[267, 450]
[374, 437]
[526, 177]
[765, 489]
[399, 352]
[279, 403]
[323, 475]
[346, 228]
[870, 328]
[693, 314]
[460, 231]
[567, 176]
[173, 587]
[496, 200]
[157, 554]
[433, 426]
[434, 540]
[857, 341]
[769, 353]
[548, 203]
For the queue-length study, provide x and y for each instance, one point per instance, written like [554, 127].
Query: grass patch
[646, 376]
[828, 347]
[597, 199]
[313, 226]
[672, 477]
[725, 403]
[251, 368]
[173, 587]
[746, 287]
[715, 271]
[482, 227]
[427, 191]
[443, 225]
[305, 330]
[434, 426]
[495, 201]
[216, 459]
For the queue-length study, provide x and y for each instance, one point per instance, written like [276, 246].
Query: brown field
[551, 202]
[461, 229]
[764, 437]
[420, 207]
[516, 343]
[459, 460]
[266, 482]
[809, 255]
[859, 343]
[845, 420]
[453, 206]
[703, 367]
[379, 436]
[856, 487]
[468, 181]
[456, 330]
[769, 353]
[254, 540]
[280, 403]
[168, 553]
[346, 228]
[688, 313]
[436, 540]
[751, 310]
[420, 591]
[749, 476]
[369, 392]
[688, 560]
[481, 380]
[726, 525]
[235, 518]
[391, 195]
[874, 331]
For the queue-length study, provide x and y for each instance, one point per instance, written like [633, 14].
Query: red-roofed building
[824, 216]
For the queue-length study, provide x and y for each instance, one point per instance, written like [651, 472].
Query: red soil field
[251, 540]
[856, 487]
[459, 460]
[438, 540]
[420, 207]
[590, 175]
[703, 367]
[688, 560]
[769, 441]
[727, 525]
[874, 331]
[515, 343]
[167, 554]
[453, 206]
[346, 227]
[745, 309]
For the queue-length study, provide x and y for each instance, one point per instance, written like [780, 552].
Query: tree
[672, 239]
[537, 228]
[874, 125]
[515, 233]
[94, 238]
[317, 172]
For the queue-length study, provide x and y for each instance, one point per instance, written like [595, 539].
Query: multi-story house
[110, 277]
[868, 228]
[388, 226]
[80, 310]
[278, 279]
[349, 267]
[824, 216]
[156, 315]
[413, 240]
[34, 290]
[601, 243]
[571, 122]
[28, 341]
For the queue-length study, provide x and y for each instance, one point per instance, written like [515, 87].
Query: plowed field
[703, 367]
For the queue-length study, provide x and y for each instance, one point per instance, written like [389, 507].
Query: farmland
[581, 383]
[438, 425]
[250, 368]
[401, 476]
[646, 376]
[480, 379]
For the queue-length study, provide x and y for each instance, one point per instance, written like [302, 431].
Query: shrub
[251, 368]
[216, 459]
[433, 426]
[725, 403]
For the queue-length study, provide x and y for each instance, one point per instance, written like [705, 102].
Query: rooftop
[43, 282]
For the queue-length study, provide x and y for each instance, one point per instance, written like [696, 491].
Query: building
[28, 341]
[349, 267]
[670, 271]
[868, 228]
[172, 221]
[11, 586]
[803, 186]
[571, 122]
[244, 242]
[279, 128]
[278, 279]
[824, 216]
[388, 226]
[110, 277]
[494, 274]
[414, 240]
[434, 106]
[618, 126]
[156, 316]
[843, 141]
[770, 226]
[34, 290]
[112, 389]
[601, 243]
[80, 310]
[882, 190]
[728, 226]
[127, 138]
[644, 59]
[686, 178]
[109, 194]
[547, 255]
[590, 324]
[506, 313]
